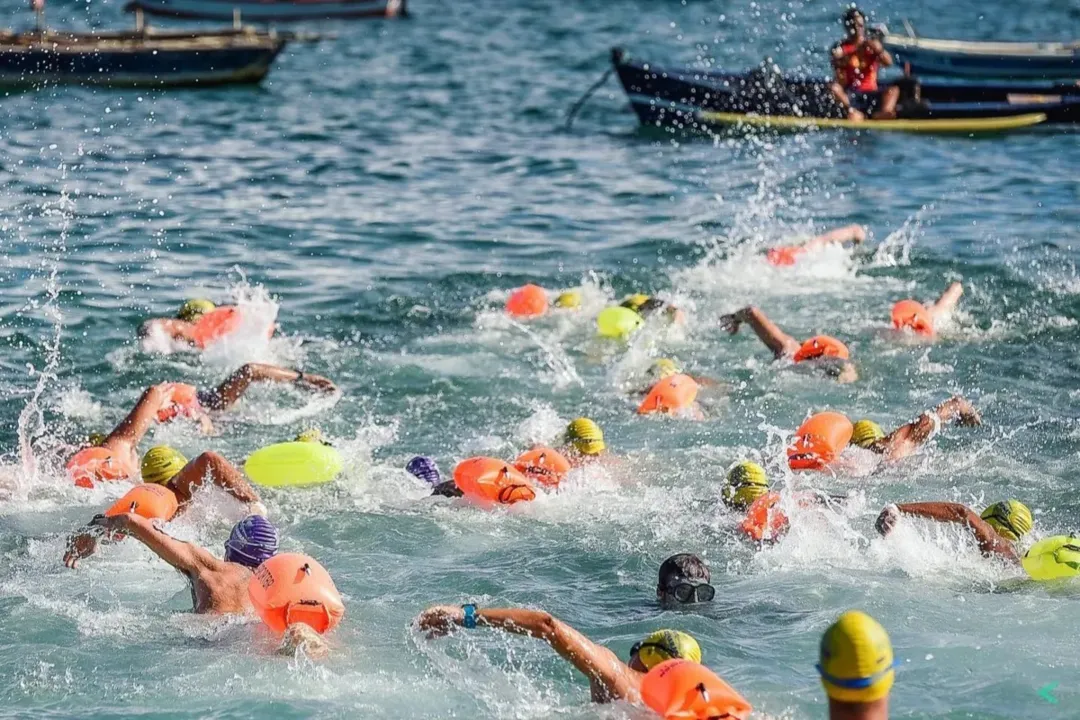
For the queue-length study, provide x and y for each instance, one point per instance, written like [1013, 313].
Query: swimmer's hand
[886, 521]
[967, 414]
[732, 322]
[440, 620]
[257, 508]
[317, 382]
[79, 546]
[301, 638]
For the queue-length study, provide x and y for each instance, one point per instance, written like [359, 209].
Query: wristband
[469, 621]
[299, 376]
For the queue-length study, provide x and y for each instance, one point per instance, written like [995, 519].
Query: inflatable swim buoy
[98, 464]
[781, 256]
[763, 520]
[293, 464]
[912, 315]
[528, 301]
[670, 395]
[153, 502]
[821, 346]
[492, 481]
[290, 588]
[819, 441]
[618, 322]
[543, 465]
[183, 401]
[1053, 557]
[688, 690]
[215, 325]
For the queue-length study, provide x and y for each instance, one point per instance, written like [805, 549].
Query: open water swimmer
[785, 255]
[997, 529]
[821, 353]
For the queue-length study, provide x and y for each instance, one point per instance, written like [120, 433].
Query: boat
[968, 59]
[140, 58]
[966, 126]
[270, 10]
[676, 98]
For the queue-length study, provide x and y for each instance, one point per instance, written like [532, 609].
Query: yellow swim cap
[192, 310]
[1011, 518]
[746, 482]
[664, 645]
[856, 662]
[161, 463]
[96, 439]
[634, 302]
[663, 368]
[865, 433]
[570, 300]
[586, 436]
[311, 435]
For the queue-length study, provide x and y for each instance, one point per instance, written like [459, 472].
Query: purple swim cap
[425, 469]
[253, 541]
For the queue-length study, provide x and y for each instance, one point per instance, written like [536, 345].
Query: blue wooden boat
[964, 59]
[269, 10]
[143, 58]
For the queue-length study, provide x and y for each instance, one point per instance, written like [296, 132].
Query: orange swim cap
[183, 400]
[528, 301]
[821, 346]
[911, 314]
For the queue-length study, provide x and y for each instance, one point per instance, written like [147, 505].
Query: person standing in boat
[856, 60]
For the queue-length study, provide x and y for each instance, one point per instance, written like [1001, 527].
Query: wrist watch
[469, 621]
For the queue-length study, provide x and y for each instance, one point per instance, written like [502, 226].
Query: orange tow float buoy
[543, 465]
[819, 441]
[670, 395]
[764, 521]
[149, 500]
[98, 464]
[821, 346]
[690, 691]
[492, 481]
[782, 256]
[913, 315]
[292, 588]
[215, 325]
[528, 301]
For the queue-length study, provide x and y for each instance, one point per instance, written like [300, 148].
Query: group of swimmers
[855, 664]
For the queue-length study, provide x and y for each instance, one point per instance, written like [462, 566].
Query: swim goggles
[686, 592]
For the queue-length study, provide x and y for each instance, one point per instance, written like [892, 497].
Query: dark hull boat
[137, 59]
[269, 10]
[686, 98]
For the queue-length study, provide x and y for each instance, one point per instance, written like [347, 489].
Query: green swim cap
[311, 435]
[586, 436]
[664, 645]
[663, 368]
[856, 659]
[865, 433]
[569, 300]
[746, 482]
[1010, 518]
[192, 310]
[634, 302]
[161, 463]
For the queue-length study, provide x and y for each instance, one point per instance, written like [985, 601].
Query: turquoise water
[381, 193]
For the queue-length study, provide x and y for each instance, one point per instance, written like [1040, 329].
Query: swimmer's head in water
[311, 435]
[684, 578]
[635, 302]
[425, 469]
[192, 310]
[96, 439]
[652, 305]
[746, 482]
[586, 436]
[252, 542]
[664, 645]
[856, 659]
[569, 300]
[1010, 518]
[663, 368]
[865, 433]
[161, 463]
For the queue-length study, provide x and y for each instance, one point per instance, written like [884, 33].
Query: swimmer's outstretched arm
[214, 467]
[947, 302]
[131, 429]
[596, 662]
[906, 439]
[990, 543]
[234, 387]
[854, 234]
[185, 557]
[774, 338]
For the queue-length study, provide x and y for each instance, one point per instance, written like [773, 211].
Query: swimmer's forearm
[768, 332]
[132, 428]
[534, 623]
[940, 511]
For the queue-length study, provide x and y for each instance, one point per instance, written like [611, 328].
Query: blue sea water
[381, 193]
